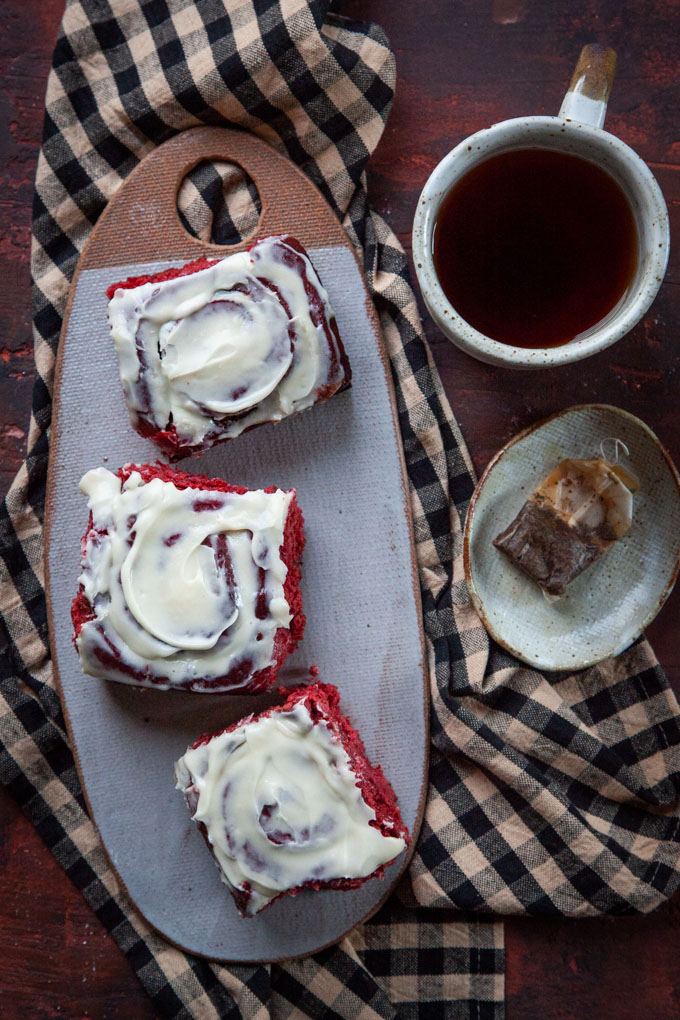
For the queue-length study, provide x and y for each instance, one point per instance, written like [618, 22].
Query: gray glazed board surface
[360, 599]
[609, 605]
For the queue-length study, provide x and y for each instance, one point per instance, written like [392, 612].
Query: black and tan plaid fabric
[550, 795]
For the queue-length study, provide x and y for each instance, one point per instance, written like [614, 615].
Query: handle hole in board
[219, 203]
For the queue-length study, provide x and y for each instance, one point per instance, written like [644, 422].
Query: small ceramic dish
[610, 603]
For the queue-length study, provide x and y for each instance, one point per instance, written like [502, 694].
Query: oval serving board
[360, 584]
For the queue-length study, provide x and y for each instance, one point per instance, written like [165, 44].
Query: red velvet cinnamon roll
[187, 582]
[215, 348]
[287, 800]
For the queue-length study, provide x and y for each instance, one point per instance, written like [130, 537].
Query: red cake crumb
[166, 274]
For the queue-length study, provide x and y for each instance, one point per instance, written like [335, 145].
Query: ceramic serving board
[360, 588]
[616, 598]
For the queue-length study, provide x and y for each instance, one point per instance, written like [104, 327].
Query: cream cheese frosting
[226, 347]
[281, 806]
[185, 584]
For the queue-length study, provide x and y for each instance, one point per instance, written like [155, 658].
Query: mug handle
[591, 83]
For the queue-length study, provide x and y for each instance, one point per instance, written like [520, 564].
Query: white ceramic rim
[615, 157]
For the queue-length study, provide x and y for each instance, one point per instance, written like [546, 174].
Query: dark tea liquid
[533, 247]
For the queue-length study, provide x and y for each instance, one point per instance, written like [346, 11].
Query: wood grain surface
[462, 64]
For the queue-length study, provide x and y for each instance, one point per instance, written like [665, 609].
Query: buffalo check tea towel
[547, 795]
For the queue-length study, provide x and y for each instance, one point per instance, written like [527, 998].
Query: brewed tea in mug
[533, 247]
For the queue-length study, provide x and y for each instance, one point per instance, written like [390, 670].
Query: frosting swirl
[228, 355]
[244, 340]
[185, 584]
[281, 806]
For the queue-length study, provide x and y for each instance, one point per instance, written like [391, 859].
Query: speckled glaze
[577, 131]
[613, 600]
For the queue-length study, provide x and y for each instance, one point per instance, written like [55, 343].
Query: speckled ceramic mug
[577, 130]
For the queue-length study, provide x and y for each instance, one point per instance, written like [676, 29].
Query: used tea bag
[574, 515]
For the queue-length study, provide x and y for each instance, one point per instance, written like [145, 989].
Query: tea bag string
[618, 445]
[613, 461]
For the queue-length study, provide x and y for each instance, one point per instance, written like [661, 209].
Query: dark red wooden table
[463, 64]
